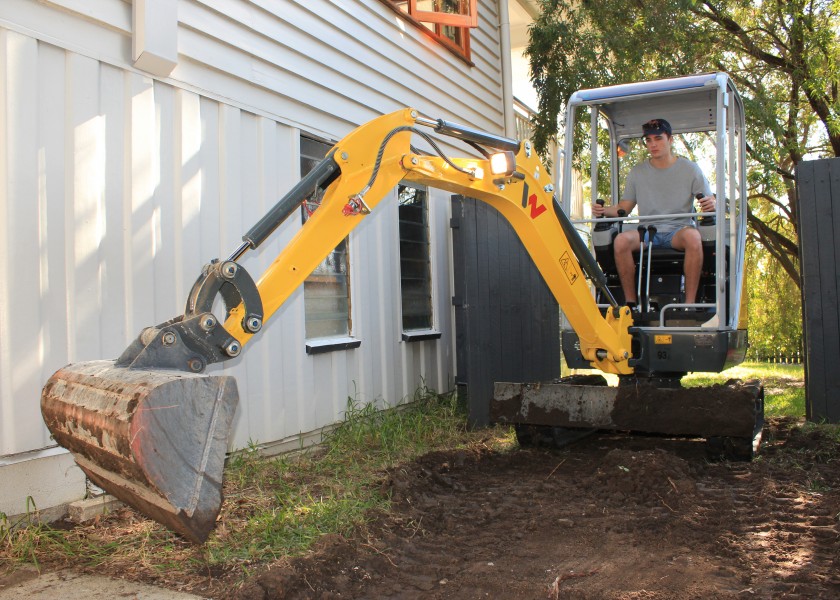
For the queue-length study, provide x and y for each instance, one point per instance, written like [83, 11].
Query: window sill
[323, 345]
[420, 336]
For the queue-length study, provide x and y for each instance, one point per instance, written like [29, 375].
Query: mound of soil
[612, 516]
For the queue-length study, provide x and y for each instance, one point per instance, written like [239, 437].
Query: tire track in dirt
[786, 535]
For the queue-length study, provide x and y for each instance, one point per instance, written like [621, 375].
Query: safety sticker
[567, 263]
[662, 339]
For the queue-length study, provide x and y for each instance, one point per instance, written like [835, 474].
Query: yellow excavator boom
[383, 147]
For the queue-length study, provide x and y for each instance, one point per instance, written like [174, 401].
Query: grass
[29, 540]
[277, 507]
[289, 502]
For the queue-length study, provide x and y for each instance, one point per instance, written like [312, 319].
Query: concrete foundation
[43, 481]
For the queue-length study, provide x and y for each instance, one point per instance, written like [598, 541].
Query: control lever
[708, 220]
[621, 214]
[641, 229]
[651, 233]
[601, 226]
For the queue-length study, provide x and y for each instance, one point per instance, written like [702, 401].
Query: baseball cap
[656, 127]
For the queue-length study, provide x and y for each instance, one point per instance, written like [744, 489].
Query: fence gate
[507, 323]
[818, 185]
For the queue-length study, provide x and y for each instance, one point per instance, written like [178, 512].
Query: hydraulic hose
[319, 177]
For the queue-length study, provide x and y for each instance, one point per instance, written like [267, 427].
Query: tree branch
[771, 200]
[784, 259]
[796, 68]
[714, 14]
[779, 170]
[771, 237]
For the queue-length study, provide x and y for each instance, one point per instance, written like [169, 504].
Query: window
[448, 21]
[326, 291]
[415, 269]
[458, 13]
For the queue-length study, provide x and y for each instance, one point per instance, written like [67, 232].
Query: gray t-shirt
[666, 191]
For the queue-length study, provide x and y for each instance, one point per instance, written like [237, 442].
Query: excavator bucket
[155, 439]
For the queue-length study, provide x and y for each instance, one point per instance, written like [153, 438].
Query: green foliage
[409, 430]
[774, 307]
[783, 56]
[289, 502]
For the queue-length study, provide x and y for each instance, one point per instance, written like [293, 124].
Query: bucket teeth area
[155, 439]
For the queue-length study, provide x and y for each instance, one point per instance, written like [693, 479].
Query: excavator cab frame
[671, 337]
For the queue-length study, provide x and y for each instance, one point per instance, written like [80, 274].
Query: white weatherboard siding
[326, 66]
[116, 187]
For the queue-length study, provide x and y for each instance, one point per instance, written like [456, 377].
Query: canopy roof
[688, 103]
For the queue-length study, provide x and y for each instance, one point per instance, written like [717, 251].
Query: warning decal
[567, 263]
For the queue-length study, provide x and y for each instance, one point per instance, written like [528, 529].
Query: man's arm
[700, 185]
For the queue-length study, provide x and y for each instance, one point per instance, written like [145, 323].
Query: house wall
[116, 186]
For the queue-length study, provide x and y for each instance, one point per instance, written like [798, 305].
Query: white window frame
[317, 342]
[425, 330]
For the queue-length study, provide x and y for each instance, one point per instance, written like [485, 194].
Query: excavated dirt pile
[612, 516]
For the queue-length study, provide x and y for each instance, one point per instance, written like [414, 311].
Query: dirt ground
[613, 516]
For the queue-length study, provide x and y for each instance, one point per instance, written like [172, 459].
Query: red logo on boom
[536, 211]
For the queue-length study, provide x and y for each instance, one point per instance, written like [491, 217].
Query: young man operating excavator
[664, 184]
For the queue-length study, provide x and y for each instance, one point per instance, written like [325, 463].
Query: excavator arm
[151, 429]
[374, 158]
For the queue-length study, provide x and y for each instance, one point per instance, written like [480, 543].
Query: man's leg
[623, 246]
[688, 239]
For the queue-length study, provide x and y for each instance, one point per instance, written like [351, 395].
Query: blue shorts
[663, 240]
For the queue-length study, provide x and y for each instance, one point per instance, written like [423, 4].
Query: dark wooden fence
[507, 323]
[818, 186]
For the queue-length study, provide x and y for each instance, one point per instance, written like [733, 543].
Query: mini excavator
[152, 428]
[670, 338]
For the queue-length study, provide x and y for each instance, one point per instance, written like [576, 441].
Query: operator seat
[666, 270]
